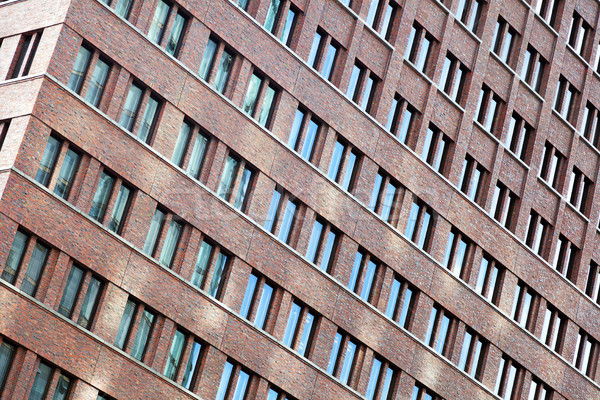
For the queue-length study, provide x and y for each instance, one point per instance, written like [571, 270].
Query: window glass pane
[267, 107]
[224, 190]
[197, 155]
[248, 296]
[15, 256]
[139, 345]
[272, 213]
[223, 72]
[295, 132]
[168, 250]
[292, 323]
[70, 293]
[336, 160]
[263, 306]
[201, 264]
[287, 28]
[312, 57]
[207, 59]
[215, 283]
[224, 383]
[78, 74]
[103, 192]
[190, 369]
[315, 237]
[271, 15]
[62, 388]
[34, 269]
[122, 8]
[393, 299]
[240, 388]
[348, 362]
[130, 109]
[90, 303]
[121, 203]
[243, 189]
[373, 379]
[48, 160]
[251, 95]
[329, 61]
[148, 119]
[329, 245]
[306, 333]
[6, 355]
[40, 383]
[351, 92]
[174, 354]
[97, 83]
[181, 144]
[288, 219]
[334, 353]
[153, 231]
[175, 37]
[158, 22]
[125, 324]
[67, 173]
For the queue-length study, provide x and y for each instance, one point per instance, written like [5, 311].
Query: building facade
[292, 199]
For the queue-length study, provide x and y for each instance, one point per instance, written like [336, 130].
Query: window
[159, 23]
[580, 33]
[590, 125]
[276, 21]
[553, 163]
[227, 384]
[519, 137]
[289, 26]
[147, 124]
[402, 302]
[382, 380]
[456, 258]
[436, 150]
[7, 353]
[36, 264]
[565, 98]
[580, 191]
[419, 48]
[566, 258]
[97, 83]
[258, 300]
[145, 324]
[342, 361]
[300, 329]
[217, 74]
[277, 394]
[44, 376]
[260, 88]
[4, 125]
[345, 164]
[554, 328]
[169, 247]
[420, 392]
[489, 110]
[322, 245]
[108, 186]
[489, 279]
[548, 11]
[156, 226]
[472, 179]
[538, 234]
[538, 390]
[402, 119]
[419, 228]
[440, 331]
[362, 87]
[524, 308]
[191, 148]
[364, 276]
[175, 362]
[237, 174]
[469, 13]
[381, 17]
[102, 196]
[211, 269]
[24, 55]
[68, 170]
[592, 287]
[510, 379]
[473, 354]
[282, 215]
[504, 42]
[85, 288]
[586, 354]
[504, 208]
[121, 208]
[323, 54]
[534, 69]
[385, 198]
[453, 78]
[305, 134]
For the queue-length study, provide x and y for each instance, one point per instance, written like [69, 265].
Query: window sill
[549, 187]
[418, 71]
[377, 35]
[578, 56]
[467, 30]
[589, 144]
[517, 159]
[543, 21]
[452, 101]
[577, 211]
[564, 120]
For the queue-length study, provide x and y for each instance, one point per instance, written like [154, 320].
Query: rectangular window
[324, 54]
[4, 125]
[548, 11]
[131, 109]
[473, 179]
[342, 361]
[504, 42]
[519, 137]
[282, 215]
[159, 21]
[102, 196]
[538, 390]
[149, 119]
[79, 280]
[504, 207]
[473, 354]
[524, 308]
[24, 55]
[402, 302]
[489, 110]
[552, 165]
[175, 40]
[534, 69]
[132, 104]
[192, 366]
[566, 258]
[490, 279]
[323, 245]
[120, 209]
[590, 125]
[237, 173]
[79, 69]
[440, 331]
[289, 26]
[385, 198]
[420, 43]
[509, 379]
[419, 228]
[43, 379]
[538, 234]
[15, 257]
[580, 33]
[35, 268]
[211, 269]
[580, 191]
[48, 161]
[402, 119]
[564, 100]
[145, 325]
[190, 148]
[304, 134]
[453, 78]
[258, 300]
[381, 17]
[592, 287]
[362, 87]
[345, 164]
[181, 341]
[169, 247]
[382, 380]
[364, 277]
[260, 88]
[469, 13]
[436, 150]
[156, 226]
[456, 258]
[228, 385]
[7, 353]
[174, 358]
[554, 328]
[300, 329]
[99, 75]
[586, 354]
[277, 394]
[122, 8]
